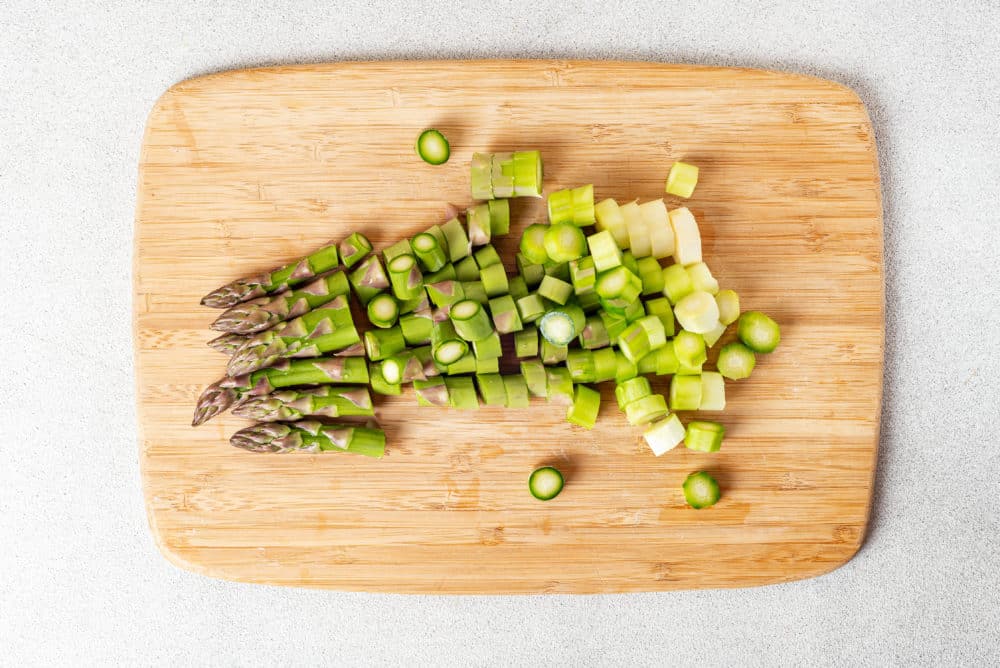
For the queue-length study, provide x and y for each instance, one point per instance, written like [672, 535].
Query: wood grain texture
[243, 171]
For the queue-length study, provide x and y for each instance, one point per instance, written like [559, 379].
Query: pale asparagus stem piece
[274, 281]
[317, 332]
[291, 405]
[250, 318]
[228, 344]
[310, 437]
[224, 393]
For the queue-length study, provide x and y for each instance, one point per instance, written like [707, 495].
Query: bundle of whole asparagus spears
[440, 306]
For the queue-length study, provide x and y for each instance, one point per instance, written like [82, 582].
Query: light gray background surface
[80, 580]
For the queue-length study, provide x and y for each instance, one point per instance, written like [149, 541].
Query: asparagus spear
[274, 281]
[251, 318]
[310, 335]
[222, 394]
[310, 436]
[325, 401]
[228, 344]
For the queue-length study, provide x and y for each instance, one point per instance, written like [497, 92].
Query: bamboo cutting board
[242, 171]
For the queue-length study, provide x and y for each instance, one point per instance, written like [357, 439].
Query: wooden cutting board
[242, 171]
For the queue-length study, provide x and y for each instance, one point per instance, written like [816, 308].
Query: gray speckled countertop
[81, 580]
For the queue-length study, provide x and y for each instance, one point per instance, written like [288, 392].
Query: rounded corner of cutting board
[202, 144]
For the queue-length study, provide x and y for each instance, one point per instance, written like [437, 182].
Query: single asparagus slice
[558, 270]
[594, 334]
[660, 307]
[583, 275]
[488, 348]
[505, 316]
[228, 344]
[467, 363]
[685, 393]
[517, 288]
[369, 279]
[405, 277]
[618, 288]
[494, 280]
[704, 436]
[581, 366]
[446, 345]
[631, 390]
[445, 273]
[689, 348]
[431, 392]
[492, 389]
[517, 391]
[586, 405]
[383, 311]
[651, 275]
[416, 327]
[551, 353]
[645, 410]
[614, 323]
[480, 176]
[488, 255]
[403, 367]
[589, 301]
[222, 394]
[475, 291]
[383, 343]
[354, 248]
[310, 436]
[477, 219]
[527, 174]
[526, 342]
[499, 216]
[531, 307]
[471, 320]
[534, 375]
[605, 365]
[564, 242]
[458, 241]
[274, 281]
[251, 317]
[533, 244]
[677, 283]
[682, 179]
[445, 293]
[467, 269]
[559, 385]
[461, 393]
[736, 361]
[530, 271]
[555, 290]
[429, 251]
[729, 306]
[317, 332]
[625, 368]
[502, 174]
[290, 405]
[661, 234]
[610, 219]
[490, 365]
[378, 382]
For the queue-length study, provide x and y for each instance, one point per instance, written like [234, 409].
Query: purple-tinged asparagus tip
[214, 400]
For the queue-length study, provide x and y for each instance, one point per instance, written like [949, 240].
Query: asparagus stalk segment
[609, 218]
[461, 393]
[383, 343]
[477, 219]
[494, 280]
[704, 436]
[368, 279]
[487, 255]
[354, 248]
[535, 377]
[291, 405]
[488, 348]
[312, 437]
[317, 332]
[378, 382]
[605, 365]
[687, 237]
[446, 345]
[698, 312]
[492, 389]
[431, 392]
[517, 391]
[274, 281]
[533, 244]
[505, 316]
[736, 361]
[531, 272]
[222, 394]
[657, 222]
[467, 269]
[383, 310]
[499, 216]
[758, 332]
[564, 242]
[470, 320]
[527, 174]
[458, 242]
[666, 434]
[416, 327]
[685, 393]
[429, 251]
[251, 317]
[405, 277]
[586, 405]
[481, 177]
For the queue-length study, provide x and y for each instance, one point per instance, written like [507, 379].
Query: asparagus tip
[214, 400]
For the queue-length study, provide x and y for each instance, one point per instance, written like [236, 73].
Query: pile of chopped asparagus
[442, 314]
